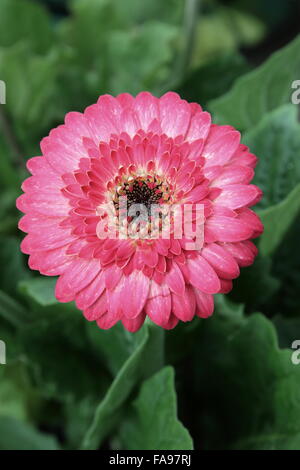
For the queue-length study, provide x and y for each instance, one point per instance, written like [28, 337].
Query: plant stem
[190, 19]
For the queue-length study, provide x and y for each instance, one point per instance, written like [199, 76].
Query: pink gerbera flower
[151, 150]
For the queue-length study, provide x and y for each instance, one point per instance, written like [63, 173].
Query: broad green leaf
[143, 362]
[23, 20]
[247, 385]
[153, 423]
[16, 435]
[260, 91]
[277, 219]
[276, 141]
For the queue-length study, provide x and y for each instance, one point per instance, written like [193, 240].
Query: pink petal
[243, 252]
[175, 114]
[223, 262]
[205, 304]
[147, 109]
[97, 309]
[79, 274]
[199, 127]
[158, 306]
[174, 279]
[107, 321]
[133, 325]
[235, 196]
[135, 293]
[183, 306]
[221, 144]
[91, 293]
[203, 276]
[226, 229]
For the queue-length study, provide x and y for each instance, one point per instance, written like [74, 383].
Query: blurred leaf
[153, 423]
[23, 20]
[288, 330]
[17, 398]
[248, 387]
[56, 346]
[143, 362]
[286, 267]
[236, 28]
[277, 219]
[31, 84]
[260, 91]
[151, 46]
[59, 355]
[12, 264]
[41, 290]
[9, 178]
[86, 29]
[276, 141]
[135, 11]
[12, 311]
[15, 435]
[213, 78]
[114, 345]
[256, 284]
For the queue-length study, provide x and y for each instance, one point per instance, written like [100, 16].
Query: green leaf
[234, 27]
[135, 11]
[143, 362]
[247, 385]
[153, 423]
[40, 289]
[12, 311]
[13, 265]
[17, 397]
[276, 141]
[22, 20]
[256, 284]
[151, 46]
[58, 353]
[31, 85]
[277, 219]
[213, 78]
[260, 91]
[16, 435]
[56, 345]
[288, 329]
[114, 346]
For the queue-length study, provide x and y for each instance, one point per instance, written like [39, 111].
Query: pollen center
[145, 190]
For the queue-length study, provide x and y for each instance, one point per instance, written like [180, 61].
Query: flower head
[141, 207]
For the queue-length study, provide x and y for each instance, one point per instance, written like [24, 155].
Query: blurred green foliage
[68, 384]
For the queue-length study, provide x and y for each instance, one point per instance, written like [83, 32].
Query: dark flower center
[145, 191]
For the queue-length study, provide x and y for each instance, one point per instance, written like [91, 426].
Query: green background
[227, 382]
